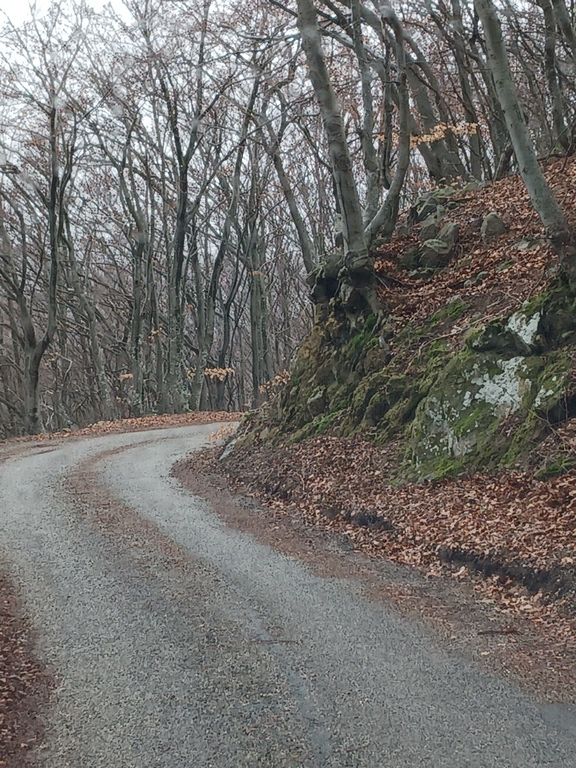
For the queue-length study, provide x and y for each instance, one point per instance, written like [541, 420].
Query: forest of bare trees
[170, 172]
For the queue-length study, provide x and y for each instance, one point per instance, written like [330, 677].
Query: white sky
[19, 10]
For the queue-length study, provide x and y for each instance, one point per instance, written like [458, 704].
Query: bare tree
[541, 196]
[40, 74]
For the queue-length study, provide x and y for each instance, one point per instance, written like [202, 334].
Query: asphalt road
[178, 642]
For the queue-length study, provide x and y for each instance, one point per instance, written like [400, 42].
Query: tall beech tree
[540, 193]
[359, 226]
[39, 61]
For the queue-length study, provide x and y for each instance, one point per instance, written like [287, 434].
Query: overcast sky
[19, 10]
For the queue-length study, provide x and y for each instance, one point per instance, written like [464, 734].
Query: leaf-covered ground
[504, 272]
[511, 535]
[518, 533]
[24, 683]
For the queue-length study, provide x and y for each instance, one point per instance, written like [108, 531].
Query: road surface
[178, 642]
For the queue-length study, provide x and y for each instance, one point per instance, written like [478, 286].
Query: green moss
[552, 392]
[537, 303]
[327, 421]
[555, 467]
[468, 422]
[378, 394]
[452, 310]
[528, 433]
[364, 339]
[406, 335]
[448, 467]
[459, 424]
[340, 396]
[302, 434]
[451, 410]
[366, 389]
[402, 412]
[370, 323]
[497, 337]
[472, 337]
[557, 306]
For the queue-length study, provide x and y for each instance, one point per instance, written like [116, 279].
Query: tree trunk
[386, 217]
[541, 196]
[32, 359]
[359, 267]
[105, 404]
[561, 134]
[565, 26]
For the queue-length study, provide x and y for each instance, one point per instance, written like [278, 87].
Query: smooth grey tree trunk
[565, 26]
[385, 218]
[359, 265]
[541, 196]
[561, 134]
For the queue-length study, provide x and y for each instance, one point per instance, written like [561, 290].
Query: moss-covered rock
[486, 410]
[475, 399]
[317, 402]
[462, 416]
[377, 395]
[497, 336]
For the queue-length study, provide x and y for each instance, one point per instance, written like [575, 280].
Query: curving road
[178, 642]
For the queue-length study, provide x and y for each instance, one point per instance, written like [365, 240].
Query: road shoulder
[466, 622]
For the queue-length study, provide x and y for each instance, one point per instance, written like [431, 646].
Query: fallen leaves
[143, 423]
[492, 278]
[23, 682]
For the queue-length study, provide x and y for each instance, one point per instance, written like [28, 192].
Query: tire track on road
[152, 551]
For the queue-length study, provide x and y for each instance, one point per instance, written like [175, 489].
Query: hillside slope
[441, 434]
[470, 364]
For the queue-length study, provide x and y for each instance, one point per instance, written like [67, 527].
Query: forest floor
[509, 537]
[491, 277]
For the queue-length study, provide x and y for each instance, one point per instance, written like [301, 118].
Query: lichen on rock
[525, 326]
